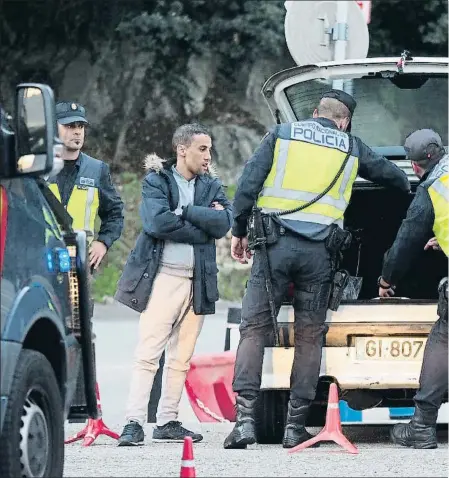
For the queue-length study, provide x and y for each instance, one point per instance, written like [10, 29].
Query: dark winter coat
[199, 225]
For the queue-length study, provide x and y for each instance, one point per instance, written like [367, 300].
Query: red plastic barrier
[209, 387]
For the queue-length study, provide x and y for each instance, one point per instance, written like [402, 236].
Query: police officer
[428, 212]
[84, 185]
[295, 163]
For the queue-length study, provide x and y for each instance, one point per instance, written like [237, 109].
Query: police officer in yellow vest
[294, 163]
[84, 185]
[427, 215]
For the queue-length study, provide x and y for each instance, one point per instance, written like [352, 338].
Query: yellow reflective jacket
[307, 157]
[438, 189]
[84, 200]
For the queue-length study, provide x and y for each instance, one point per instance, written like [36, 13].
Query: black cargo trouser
[433, 380]
[308, 265]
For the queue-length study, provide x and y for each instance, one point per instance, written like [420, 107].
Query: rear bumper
[340, 363]
[373, 319]
[376, 318]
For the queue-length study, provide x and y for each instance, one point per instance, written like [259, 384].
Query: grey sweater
[177, 257]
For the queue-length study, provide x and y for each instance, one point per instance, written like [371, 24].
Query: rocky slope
[133, 114]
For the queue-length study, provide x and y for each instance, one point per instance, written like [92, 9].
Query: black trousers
[433, 380]
[308, 265]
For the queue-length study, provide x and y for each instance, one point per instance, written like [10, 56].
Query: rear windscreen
[386, 112]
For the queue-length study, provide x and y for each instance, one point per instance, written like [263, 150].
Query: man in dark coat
[171, 276]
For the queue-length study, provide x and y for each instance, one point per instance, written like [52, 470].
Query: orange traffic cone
[94, 428]
[332, 430]
[187, 463]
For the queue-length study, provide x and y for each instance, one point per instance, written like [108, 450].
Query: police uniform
[294, 163]
[427, 213]
[85, 188]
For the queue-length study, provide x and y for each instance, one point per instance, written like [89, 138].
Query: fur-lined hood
[153, 162]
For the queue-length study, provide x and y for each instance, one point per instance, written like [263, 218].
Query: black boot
[295, 430]
[243, 432]
[420, 432]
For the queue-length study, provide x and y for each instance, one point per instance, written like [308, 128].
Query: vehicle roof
[277, 77]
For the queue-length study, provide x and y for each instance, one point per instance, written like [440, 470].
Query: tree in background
[36, 35]
[239, 30]
[420, 27]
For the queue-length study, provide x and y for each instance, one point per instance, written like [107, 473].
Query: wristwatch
[383, 286]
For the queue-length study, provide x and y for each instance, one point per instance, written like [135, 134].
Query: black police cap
[69, 112]
[342, 97]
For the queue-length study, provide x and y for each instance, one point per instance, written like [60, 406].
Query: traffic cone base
[94, 428]
[187, 462]
[92, 431]
[332, 430]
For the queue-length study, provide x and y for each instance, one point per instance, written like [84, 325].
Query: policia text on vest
[307, 157]
[294, 163]
[315, 134]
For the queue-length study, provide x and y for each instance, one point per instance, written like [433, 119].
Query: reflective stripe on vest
[82, 206]
[84, 199]
[303, 167]
[439, 195]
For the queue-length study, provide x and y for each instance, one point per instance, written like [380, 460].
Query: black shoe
[414, 435]
[132, 435]
[295, 430]
[244, 432]
[420, 432]
[174, 432]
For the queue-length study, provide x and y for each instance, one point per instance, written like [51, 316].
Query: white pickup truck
[374, 347]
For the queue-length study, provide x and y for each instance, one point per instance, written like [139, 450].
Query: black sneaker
[174, 432]
[132, 435]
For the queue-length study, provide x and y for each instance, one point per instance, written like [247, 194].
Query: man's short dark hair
[185, 133]
[333, 109]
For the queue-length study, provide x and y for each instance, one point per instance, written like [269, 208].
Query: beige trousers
[168, 321]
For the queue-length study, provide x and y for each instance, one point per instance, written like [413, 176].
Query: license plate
[390, 348]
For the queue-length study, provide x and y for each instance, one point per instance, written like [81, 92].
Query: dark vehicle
[45, 322]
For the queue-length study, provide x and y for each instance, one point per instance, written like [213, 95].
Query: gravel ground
[377, 457]
[116, 330]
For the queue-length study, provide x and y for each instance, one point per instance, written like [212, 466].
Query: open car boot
[374, 216]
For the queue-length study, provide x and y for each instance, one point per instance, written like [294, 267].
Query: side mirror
[35, 129]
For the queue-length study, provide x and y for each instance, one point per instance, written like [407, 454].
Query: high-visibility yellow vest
[84, 200]
[307, 157]
[439, 194]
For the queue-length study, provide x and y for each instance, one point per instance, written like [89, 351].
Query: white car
[374, 347]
